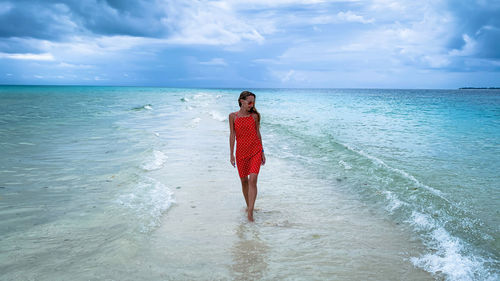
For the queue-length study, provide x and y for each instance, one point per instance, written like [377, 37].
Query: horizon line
[211, 87]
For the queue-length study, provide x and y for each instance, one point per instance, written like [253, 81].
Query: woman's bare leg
[244, 188]
[252, 194]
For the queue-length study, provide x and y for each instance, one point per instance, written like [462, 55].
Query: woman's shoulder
[255, 116]
[232, 115]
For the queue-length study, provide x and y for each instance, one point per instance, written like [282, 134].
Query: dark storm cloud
[112, 17]
[14, 45]
[54, 20]
[128, 6]
[480, 20]
[32, 20]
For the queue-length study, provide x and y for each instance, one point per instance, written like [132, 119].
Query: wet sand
[304, 229]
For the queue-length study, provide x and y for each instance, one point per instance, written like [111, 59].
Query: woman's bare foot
[250, 216]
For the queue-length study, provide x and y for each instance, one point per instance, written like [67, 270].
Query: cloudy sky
[243, 43]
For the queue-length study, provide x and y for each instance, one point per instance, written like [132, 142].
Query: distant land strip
[480, 88]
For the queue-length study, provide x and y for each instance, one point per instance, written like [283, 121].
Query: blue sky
[242, 43]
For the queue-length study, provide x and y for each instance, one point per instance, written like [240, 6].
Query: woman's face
[248, 103]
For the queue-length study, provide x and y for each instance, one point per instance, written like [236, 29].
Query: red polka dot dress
[248, 146]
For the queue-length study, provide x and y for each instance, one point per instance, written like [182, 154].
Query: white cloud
[286, 77]
[267, 61]
[421, 39]
[5, 7]
[468, 49]
[208, 23]
[485, 27]
[352, 17]
[340, 17]
[276, 3]
[291, 76]
[331, 78]
[215, 61]
[295, 40]
[436, 61]
[388, 48]
[76, 66]
[394, 5]
[80, 51]
[28, 56]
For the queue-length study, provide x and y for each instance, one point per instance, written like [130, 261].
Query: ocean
[127, 183]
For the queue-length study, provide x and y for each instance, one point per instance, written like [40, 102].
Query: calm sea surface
[83, 170]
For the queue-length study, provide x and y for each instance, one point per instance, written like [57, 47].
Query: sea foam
[345, 165]
[194, 122]
[155, 162]
[217, 116]
[148, 200]
[143, 107]
[449, 256]
[394, 202]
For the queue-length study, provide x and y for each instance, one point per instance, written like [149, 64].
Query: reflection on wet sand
[249, 254]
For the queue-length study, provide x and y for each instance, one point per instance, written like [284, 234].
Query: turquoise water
[429, 157]
[79, 165]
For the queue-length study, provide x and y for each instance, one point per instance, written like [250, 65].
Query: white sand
[305, 229]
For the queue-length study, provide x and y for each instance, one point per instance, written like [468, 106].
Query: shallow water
[134, 183]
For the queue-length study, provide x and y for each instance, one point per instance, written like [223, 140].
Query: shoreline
[207, 236]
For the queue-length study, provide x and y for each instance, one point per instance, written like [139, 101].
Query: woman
[244, 127]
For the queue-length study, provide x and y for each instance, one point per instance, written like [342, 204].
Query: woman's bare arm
[257, 126]
[232, 135]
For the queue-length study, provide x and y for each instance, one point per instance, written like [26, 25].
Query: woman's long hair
[243, 96]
